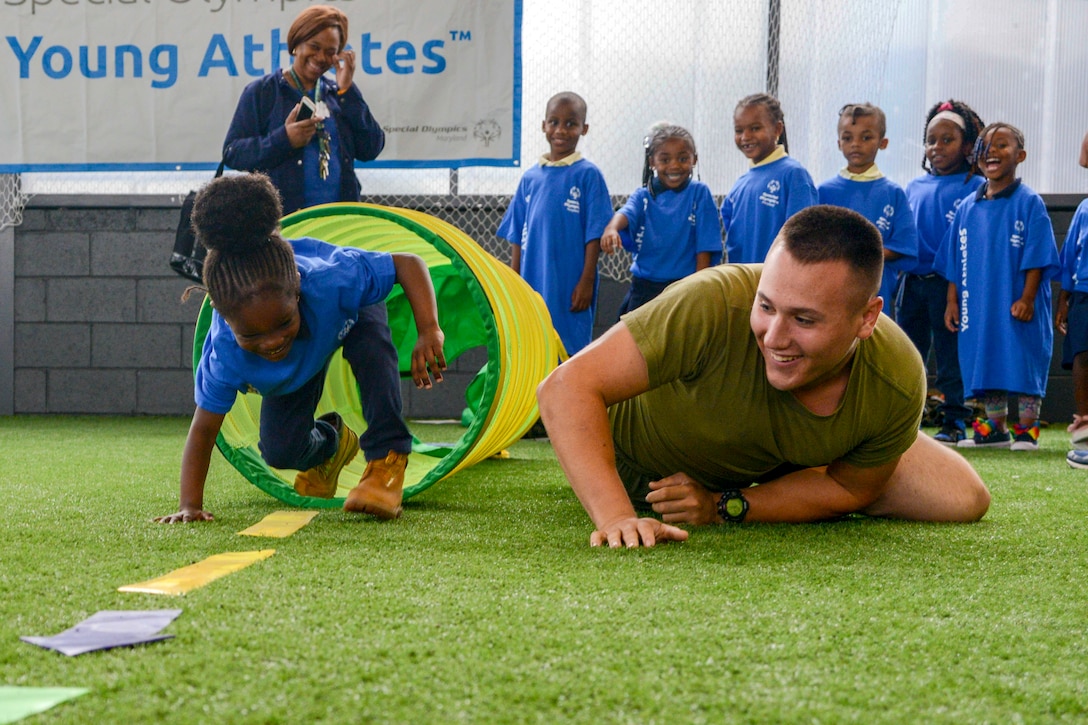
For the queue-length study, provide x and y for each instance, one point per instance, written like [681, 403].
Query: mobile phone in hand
[306, 109]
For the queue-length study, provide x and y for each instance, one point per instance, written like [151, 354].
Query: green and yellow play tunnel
[481, 303]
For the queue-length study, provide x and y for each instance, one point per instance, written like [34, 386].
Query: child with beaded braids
[672, 219]
[281, 309]
[775, 188]
[951, 129]
[999, 256]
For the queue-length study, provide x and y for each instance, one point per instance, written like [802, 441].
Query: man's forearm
[578, 428]
[810, 495]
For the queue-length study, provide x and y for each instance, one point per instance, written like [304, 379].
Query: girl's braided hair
[659, 134]
[237, 219]
[973, 129]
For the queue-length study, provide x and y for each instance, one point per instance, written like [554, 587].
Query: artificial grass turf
[485, 604]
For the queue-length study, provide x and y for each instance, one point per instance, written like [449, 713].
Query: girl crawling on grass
[281, 308]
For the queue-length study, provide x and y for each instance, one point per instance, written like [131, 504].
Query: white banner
[96, 85]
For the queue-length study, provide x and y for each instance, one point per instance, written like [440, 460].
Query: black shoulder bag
[187, 259]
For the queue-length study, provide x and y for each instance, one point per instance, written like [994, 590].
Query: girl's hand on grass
[635, 532]
[185, 516]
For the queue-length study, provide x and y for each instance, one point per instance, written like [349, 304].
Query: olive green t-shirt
[711, 413]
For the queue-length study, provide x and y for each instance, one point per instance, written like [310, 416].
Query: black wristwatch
[732, 506]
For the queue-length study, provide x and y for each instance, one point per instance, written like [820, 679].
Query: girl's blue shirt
[669, 229]
[987, 253]
[336, 283]
[759, 203]
[933, 201]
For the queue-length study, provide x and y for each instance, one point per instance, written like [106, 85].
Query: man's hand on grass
[635, 532]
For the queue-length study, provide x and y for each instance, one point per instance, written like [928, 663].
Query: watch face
[734, 506]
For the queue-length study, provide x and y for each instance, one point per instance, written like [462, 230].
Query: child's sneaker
[951, 433]
[380, 489]
[1077, 459]
[320, 481]
[986, 436]
[1026, 437]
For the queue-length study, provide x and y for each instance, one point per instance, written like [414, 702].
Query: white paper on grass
[108, 629]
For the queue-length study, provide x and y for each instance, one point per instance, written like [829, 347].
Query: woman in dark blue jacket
[302, 128]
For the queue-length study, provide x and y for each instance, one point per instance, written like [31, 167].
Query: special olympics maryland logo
[487, 131]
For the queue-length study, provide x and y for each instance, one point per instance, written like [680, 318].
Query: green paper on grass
[19, 702]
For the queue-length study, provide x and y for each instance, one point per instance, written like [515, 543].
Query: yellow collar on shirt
[778, 153]
[870, 174]
[565, 161]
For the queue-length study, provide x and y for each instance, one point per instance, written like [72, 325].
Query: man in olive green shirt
[784, 374]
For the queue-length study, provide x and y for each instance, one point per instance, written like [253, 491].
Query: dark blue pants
[920, 313]
[641, 292]
[291, 438]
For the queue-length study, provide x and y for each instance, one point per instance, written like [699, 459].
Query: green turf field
[484, 603]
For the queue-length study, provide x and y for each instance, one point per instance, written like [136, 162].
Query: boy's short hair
[572, 98]
[826, 233]
[856, 110]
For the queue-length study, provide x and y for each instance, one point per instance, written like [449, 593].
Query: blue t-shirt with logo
[759, 203]
[336, 283]
[987, 253]
[556, 211]
[1074, 261]
[933, 200]
[883, 202]
[667, 230]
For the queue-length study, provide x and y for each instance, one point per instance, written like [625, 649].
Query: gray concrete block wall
[99, 325]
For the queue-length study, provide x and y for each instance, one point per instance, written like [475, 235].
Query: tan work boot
[320, 481]
[381, 488]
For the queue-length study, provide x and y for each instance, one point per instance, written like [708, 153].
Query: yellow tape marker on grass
[279, 524]
[197, 575]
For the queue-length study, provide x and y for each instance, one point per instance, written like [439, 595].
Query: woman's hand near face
[345, 69]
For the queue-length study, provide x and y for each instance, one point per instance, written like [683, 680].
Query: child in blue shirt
[555, 221]
[861, 187]
[281, 309]
[775, 188]
[998, 257]
[670, 224]
[1071, 319]
[951, 129]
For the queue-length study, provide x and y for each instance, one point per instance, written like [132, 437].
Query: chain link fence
[12, 200]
